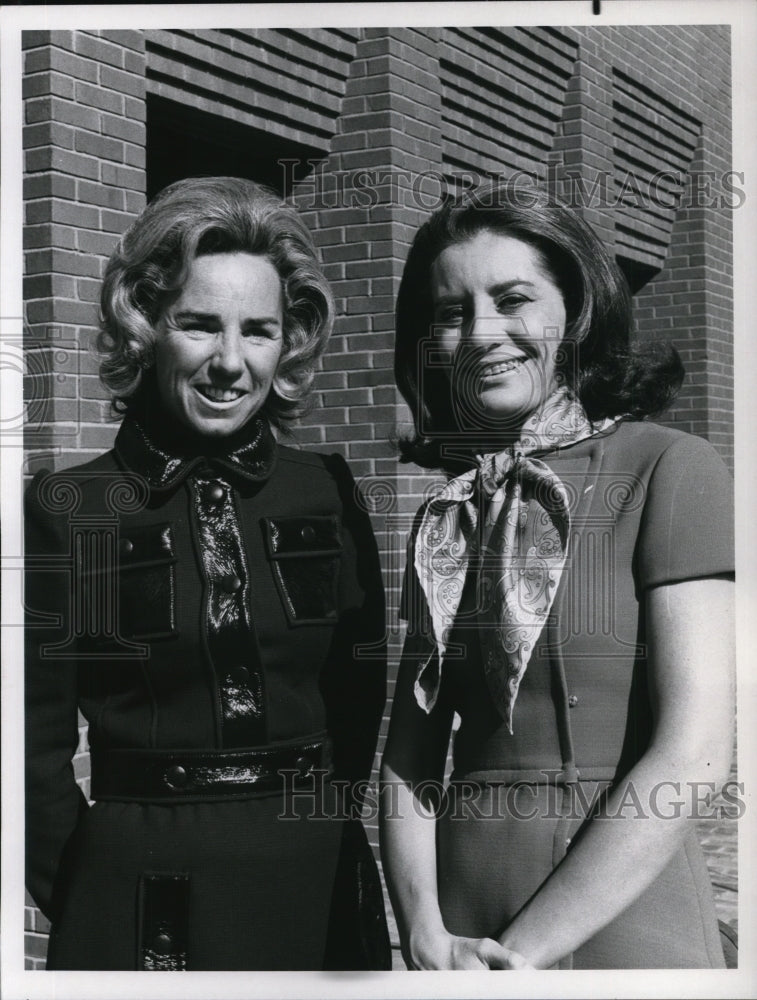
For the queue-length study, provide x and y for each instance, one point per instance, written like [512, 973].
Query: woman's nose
[227, 357]
[485, 331]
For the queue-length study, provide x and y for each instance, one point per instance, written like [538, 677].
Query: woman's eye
[510, 302]
[263, 332]
[451, 316]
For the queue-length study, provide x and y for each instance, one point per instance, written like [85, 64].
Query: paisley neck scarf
[520, 545]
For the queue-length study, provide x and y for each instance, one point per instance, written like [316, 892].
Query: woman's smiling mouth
[500, 367]
[215, 394]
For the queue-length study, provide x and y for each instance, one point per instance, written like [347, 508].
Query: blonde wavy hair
[197, 217]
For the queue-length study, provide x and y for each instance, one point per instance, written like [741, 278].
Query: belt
[140, 775]
[568, 775]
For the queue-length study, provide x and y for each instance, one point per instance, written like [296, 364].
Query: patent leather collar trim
[149, 444]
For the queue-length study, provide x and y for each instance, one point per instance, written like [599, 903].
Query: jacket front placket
[228, 629]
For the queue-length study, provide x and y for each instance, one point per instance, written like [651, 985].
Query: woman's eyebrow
[493, 290]
[188, 314]
[506, 286]
[262, 321]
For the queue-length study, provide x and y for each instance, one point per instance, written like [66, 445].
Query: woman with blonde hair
[209, 624]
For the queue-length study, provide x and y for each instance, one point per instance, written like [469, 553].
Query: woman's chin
[216, 420]
[216, 426]
[507, 413]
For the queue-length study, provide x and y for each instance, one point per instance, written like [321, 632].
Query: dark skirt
[250, 884]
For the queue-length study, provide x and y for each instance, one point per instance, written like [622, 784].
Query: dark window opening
[637, 274]
[185, 142]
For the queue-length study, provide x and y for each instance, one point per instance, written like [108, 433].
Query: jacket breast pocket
[147, 583]
[138, 584]
[305, 554]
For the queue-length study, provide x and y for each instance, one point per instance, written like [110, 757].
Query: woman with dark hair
[203, 595]
[568, 598]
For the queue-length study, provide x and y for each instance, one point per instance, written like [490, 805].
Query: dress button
[308, 533]
[163, 943]
[215, 492]
[176, 776]
[126, 547]
[303, 765]
[231, 583]
[573, 700]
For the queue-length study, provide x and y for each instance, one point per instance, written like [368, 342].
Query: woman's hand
[443, 951]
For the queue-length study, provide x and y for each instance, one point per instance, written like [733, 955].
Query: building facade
[367, 130]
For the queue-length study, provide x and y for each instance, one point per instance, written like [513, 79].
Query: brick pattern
[84, 155]
[581, 164]
[501, 119]
[284, 83]
[393, 113]
[389, 134]
[689, 302]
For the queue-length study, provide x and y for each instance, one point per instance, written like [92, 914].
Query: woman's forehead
[488, 258]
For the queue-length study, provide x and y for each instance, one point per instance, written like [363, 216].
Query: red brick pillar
[84, 142]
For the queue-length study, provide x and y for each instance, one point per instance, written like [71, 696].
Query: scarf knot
[520, 546]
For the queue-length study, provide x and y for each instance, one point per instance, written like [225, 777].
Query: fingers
[496, 956]
[517, 961]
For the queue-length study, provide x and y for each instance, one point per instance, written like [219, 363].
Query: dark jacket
[190, 600]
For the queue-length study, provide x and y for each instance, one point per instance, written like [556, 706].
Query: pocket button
[308, 533]
[126, 547]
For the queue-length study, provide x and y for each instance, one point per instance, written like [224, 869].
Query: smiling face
[219, 343]
[501, 317]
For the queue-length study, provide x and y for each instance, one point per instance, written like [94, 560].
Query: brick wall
[689, 302]
[84, 154]
[375, 125]
[389, 133]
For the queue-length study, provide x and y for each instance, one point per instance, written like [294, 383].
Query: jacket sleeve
[354, 679]
[53, 799]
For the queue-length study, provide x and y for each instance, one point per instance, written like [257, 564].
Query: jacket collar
[150, 444]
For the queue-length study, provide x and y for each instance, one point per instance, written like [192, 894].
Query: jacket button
[215, 492]
[308, 533]
[126, 547]
[573, 700]
[176, 776]
[303, 765]
[231, 583]
[163, 943]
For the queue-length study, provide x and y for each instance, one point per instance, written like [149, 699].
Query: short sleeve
[687, 524]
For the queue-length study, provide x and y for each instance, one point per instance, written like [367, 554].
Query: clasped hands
[443, 950]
